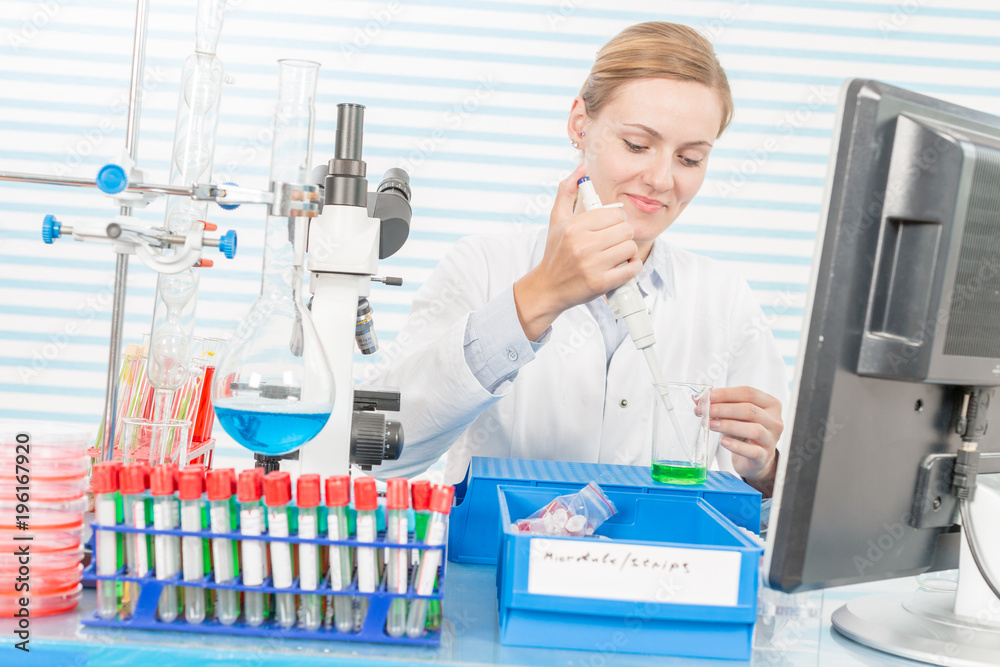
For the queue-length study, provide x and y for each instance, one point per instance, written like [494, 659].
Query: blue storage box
[474, 532]
[676, 578]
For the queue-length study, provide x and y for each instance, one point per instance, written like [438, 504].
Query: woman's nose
[660, 176]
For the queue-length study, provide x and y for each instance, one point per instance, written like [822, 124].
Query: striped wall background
[470, 96]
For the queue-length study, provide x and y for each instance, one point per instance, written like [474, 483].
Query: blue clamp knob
[51, 228]
[112, 179]
[227, 244]
[230, 207]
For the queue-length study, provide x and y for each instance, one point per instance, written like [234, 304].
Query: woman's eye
[690, 163]
[635, 148]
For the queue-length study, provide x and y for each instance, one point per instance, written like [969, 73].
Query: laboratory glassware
[365, 503]
[104, 481]
[307, 492]
[191, 162]
[248, 492]
[430, 559]
[277, 495]
[220, 485]
[398, 567]
[154, 442]
[133, 483]
[680, 435]
[265, 394]
[190, 487]
[338, 495]
[166, 549]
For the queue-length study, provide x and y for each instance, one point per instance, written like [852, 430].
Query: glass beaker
[680, 433]
[154, 442]
[273, 390]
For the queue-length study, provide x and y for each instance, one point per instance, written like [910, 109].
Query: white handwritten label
[608, 571]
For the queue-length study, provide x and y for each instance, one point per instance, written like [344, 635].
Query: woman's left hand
[750, 423]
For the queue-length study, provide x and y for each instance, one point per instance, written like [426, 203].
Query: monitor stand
[942, 628]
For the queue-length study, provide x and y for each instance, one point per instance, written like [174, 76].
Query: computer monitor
[903, 318]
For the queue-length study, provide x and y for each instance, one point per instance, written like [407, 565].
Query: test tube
[220, 484]
[307, 499]
[104, 481]
[162, 484]
[430, 559]
[190, 486]
[421, 495]
[277, 494]
[133, 482]
[365, 502]
[397, 571]
[248, 492]
[338, 495]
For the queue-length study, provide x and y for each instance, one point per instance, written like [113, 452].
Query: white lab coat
[568, 403]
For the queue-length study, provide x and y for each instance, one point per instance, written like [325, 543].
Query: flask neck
[284, 258]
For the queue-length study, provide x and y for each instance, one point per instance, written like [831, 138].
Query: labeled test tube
[421, 496]
[430, 559]
[104, 482]
[365, 502]
[166, 548]
[133, 483]
[220, 485]
[248, 492]
[338, 495]
[307, 492]
[190, 486]
[398, 568]
[277, 495]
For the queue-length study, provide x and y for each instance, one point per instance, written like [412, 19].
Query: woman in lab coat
[511, 350]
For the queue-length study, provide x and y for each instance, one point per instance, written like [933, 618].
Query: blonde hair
[656, 49]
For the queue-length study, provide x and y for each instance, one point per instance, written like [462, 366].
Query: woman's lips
[645, 205]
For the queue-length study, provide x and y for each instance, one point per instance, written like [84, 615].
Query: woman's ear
[577, 120]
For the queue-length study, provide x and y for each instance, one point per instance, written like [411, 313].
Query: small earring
[575, 144]
[581, 133]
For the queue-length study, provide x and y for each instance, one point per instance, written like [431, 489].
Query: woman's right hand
[583, 252]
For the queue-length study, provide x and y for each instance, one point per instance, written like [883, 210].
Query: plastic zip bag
[577, 515]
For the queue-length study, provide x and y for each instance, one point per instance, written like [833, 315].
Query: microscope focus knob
[374, 439]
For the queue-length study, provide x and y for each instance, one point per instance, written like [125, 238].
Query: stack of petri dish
[43, 486]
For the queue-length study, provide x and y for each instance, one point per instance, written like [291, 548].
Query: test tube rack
[144, 614]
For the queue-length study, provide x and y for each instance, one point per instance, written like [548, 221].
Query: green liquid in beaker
[675, 472]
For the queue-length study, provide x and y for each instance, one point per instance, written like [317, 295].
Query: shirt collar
[657, 270]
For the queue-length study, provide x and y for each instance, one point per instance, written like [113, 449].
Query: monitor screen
[903, 316]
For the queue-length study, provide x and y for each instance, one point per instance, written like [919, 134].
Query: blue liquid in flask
[271, 432]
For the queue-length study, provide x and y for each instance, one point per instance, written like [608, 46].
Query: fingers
[744, 395]
[566, 196]
[748, 450]
[753, 431]
[747, 412]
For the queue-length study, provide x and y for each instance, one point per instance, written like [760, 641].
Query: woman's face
[648, 149]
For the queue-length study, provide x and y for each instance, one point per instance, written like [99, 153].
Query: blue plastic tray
[474, 530]
[577, 621]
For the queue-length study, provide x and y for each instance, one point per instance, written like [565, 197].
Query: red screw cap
[365, 495]
[249, 488]
[134, 478]
[307, 490]
[191, 483]
[397, 494]
[338, 490]
[104, 478]
[441, 497]
[277, 488]
[163, 480]
[220, 483]
[421, 491]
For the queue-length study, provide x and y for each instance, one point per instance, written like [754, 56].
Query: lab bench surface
[470, 636]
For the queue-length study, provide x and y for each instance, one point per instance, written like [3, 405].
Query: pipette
[220, 485]
[430, 559]
[248, 492]
[190, 486]
[277, 494]
[338, 495]
[307, 498]
[398, 568]
[366, 502]
[626, 303]
[104, 481]
[162, 484]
